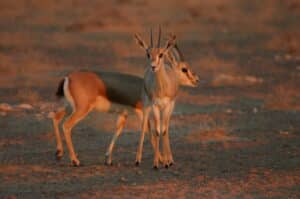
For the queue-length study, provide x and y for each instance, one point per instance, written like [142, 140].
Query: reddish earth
[235, 136]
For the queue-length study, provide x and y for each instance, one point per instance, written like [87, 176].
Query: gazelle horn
[151, 38]
[159, 34]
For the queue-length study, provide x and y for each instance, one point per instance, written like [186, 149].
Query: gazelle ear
[170, 43]
[170, 57]
[140, 42]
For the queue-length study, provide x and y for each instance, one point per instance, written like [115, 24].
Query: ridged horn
[159, 35]
[151, 38]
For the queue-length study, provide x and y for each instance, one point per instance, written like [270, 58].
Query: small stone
[229, 111]
[288, 57]
[284, 132]
[39, 116]
[123, 179]
[5, 107]
[25, 106]
[255, 110]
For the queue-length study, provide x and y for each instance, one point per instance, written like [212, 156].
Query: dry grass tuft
[284, 96]
[235, 80]
[4, 142]
[28, 95]
[288, 42]
[215, 135]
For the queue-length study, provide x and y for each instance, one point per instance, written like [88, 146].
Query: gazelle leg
[120, 125]
[165, 135]
[146, 111]
[156, 116]
[58, 116]
[153, 143]
[151, 136]
[170, 156]
[71, 121]
[166, 141]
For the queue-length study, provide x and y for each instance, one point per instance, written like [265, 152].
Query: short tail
[60, 90]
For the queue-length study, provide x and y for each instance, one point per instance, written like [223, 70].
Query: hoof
[137, 163]
[167, 166]
[75, 163]
[171, 164]
[108, 163]
[58, 155]
[155, 168]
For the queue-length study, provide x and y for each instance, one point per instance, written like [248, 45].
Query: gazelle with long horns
[86, 91]
[161, 85]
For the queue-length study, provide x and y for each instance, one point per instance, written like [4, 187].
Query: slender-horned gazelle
[86, 91]
[161, 85]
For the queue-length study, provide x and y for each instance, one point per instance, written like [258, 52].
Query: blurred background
[227, 42]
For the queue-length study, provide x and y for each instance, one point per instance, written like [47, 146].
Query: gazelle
[161, 85]
[186, 78]
[86, 91]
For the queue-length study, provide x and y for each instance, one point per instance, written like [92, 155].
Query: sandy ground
[235, 136]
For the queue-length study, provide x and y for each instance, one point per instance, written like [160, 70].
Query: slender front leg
[156, 134]
[166, 141]
[151, 136]
[120, 125]
[146, 111]
[153, 142]
[58, 116]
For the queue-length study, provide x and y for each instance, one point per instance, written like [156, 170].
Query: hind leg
[146, 112]
[70, 122]
[120, 125]
[58, 116]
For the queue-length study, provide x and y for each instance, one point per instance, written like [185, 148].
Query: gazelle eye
[184, 70]
[160, 55]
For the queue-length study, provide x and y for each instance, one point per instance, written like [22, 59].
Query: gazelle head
[155, 54]
[183, 70]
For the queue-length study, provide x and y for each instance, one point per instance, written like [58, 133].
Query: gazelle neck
[161, 76]
[165, 82]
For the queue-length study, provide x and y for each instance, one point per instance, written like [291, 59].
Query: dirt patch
[284, 96]
[288, 42]
[10, 142]
[232, 80]
[201, 99]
